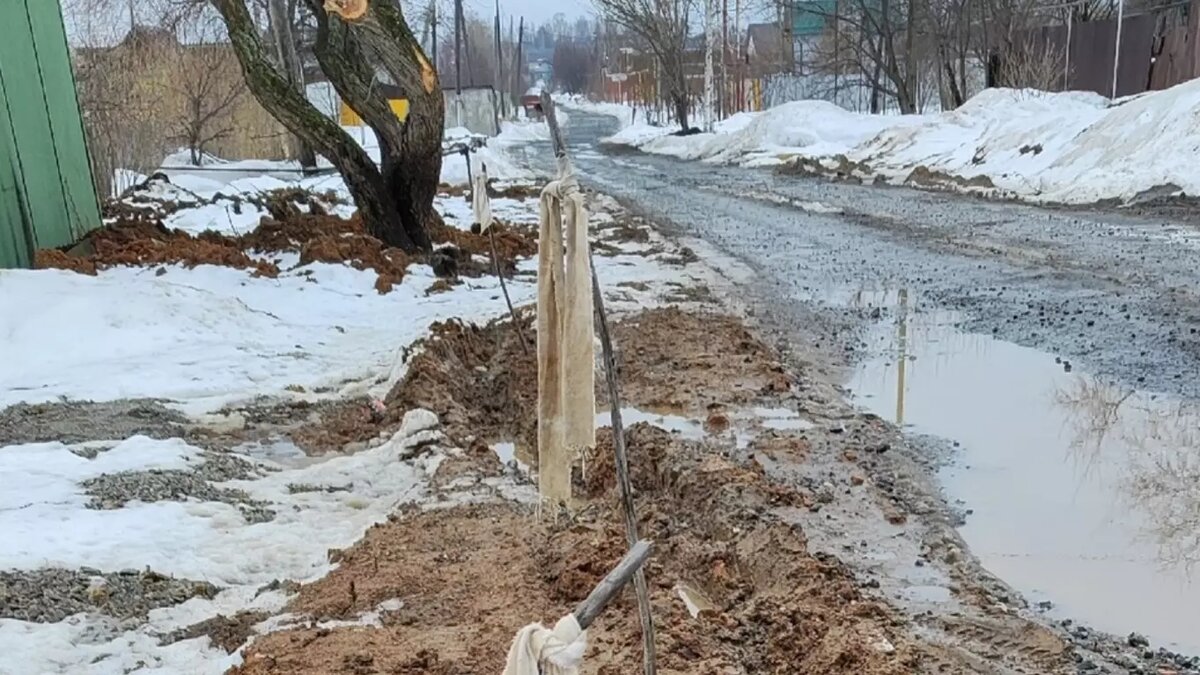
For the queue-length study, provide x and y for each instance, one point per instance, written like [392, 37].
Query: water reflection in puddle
[1081, 493]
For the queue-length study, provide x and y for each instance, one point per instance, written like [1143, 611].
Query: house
[767, 50]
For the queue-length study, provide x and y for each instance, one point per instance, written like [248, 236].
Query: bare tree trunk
[343, 59]
[277, 95]
[415, 174]
[285, 49]
[710, 27]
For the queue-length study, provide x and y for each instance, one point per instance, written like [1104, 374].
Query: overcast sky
[535, 11]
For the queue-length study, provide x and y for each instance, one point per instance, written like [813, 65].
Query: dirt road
[1023, 274]
[1044, 362]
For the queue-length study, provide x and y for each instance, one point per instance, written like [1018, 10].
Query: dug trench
[768, 454]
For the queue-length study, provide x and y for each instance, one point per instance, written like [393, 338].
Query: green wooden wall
[47, 198]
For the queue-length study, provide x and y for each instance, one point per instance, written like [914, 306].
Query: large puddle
[1079, 493]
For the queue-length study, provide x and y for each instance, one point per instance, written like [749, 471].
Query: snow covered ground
[199, 339]
[1071, 147]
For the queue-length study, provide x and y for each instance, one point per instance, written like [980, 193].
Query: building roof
[764, 40]
[140, 35]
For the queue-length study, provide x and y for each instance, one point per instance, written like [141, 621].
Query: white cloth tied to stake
[480, 204]
[537, 650]
[565, 339]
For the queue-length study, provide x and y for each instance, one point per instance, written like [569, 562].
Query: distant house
[766, 49]
[141, 94]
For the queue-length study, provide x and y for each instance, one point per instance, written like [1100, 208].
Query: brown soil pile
[296, 230]
[470, 576]
[673, 360]
[477, 379]
[481, 383]
[512, 242]
[141, 243]
[139, 238]
[339, 424]
[777, 608]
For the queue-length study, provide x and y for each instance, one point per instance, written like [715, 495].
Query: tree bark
[681, 110]
[414, 176]
[343, 59]
[277, 95]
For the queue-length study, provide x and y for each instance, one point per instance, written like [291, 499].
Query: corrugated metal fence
[47, 198]
[1158, 50]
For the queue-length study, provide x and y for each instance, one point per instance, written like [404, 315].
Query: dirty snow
[1071, 147]
[46, 524]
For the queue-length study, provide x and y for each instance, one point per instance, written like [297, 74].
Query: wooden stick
[611, 585]
[496, 264]
[504, 287]
[614, 398]
[622, 462]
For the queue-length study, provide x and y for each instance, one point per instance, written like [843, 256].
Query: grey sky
[535, 11]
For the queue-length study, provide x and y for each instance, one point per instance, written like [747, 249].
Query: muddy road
[1056, 353]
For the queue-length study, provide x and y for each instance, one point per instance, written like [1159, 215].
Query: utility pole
[737, 51]
[132, 19]
[710, 37]
[462, 23]
[433, 28]
[457, 48]
[518, 68]
[499, 62]
[279, 20]
[837, 49]
[1117, 49]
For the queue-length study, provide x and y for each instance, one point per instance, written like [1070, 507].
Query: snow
[499, 166]
[46, 525]
[207, 336]
[1070, 147]
[625, 114]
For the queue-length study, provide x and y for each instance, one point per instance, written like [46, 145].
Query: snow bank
[211, 335]
[624, 113]
[1008, 136]
[47, 523]
[1072, 147]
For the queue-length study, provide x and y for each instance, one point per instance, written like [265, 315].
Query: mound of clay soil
[512, 242]
[774, 608]
[477, 379]
[141, 243]
[297, 229]
[138, 237]
[481, 382]
[669, 359]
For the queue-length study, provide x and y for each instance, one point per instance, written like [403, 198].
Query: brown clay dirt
[137, 237]
[469, 576]
[482, 384]
[672, 360]
[779, 610]
[478, 379]
[147, 244]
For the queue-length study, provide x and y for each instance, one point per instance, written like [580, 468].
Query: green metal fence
[47, 198]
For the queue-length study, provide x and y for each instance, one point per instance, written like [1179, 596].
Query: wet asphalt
[1112, 293]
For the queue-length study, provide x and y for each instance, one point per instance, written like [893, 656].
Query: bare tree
[209, 85]
[394, 198]
[663, 26]
[574, 62]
